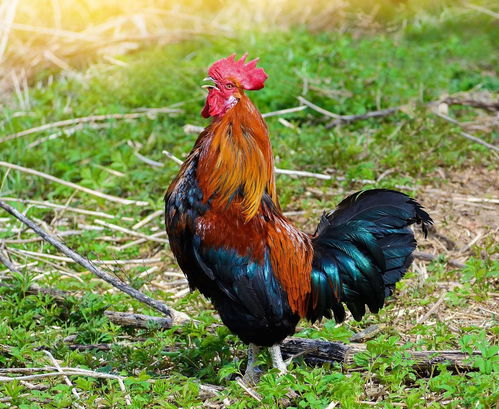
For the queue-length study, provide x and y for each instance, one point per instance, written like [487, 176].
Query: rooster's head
[230, 78]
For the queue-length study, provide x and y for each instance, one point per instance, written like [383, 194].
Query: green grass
[346, 74]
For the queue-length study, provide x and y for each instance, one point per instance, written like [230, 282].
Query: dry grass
[65, 34]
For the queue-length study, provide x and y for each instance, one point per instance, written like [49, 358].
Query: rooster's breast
[230, 261]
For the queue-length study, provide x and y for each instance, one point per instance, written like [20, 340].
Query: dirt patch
[465, 207]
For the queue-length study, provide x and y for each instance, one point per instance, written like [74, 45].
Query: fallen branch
[367, 333]
[172, 157]
[127, 319]
[342, 119]
[303, 173]
[173, 316]
[487, 102]
[459, 197]
[319, 352]
[347, 119]
[58, 295]
[7, 263]
[465, 134]
[249, 390]
[72, 185]
[432, 257]
[92, 118]
[148, 161]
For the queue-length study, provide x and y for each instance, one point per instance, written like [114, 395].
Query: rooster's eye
[229, 86]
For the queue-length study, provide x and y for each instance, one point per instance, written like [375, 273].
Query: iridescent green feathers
[361, 250]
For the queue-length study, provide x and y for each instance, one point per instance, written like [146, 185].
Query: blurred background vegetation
[64, 34]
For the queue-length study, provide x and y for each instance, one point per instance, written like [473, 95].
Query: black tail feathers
[361, 250]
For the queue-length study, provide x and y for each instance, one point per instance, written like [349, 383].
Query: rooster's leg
[252, 373]
[277, 362]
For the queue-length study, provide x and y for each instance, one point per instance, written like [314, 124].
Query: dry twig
[148, 161]
[66, 132]
[147, 219]
[130, 232]
[347, 119]
[319, 109]
[72, 185]
[92, 118]
[172, 157]
[138, 241]
[66, 379]
[482, 10]
[250, 391]
[45, 203]
[36, 256]
[434, 308]
[126, 319]
[465, 134]
[284, 111]
[35, 239]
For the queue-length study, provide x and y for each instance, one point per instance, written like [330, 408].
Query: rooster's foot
[252, 373]
[277, 361]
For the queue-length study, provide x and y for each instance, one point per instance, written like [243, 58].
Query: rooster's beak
[208, 86]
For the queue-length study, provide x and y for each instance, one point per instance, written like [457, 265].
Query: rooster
[232, 241]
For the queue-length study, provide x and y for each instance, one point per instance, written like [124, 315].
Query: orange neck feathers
[236, 162]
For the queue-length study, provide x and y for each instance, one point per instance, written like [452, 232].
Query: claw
[252, 376]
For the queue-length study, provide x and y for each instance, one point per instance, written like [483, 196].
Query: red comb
[248, 76]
